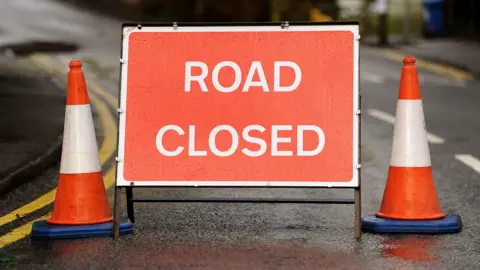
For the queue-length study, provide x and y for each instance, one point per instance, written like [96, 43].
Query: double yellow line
[444, 70]
[99, 99]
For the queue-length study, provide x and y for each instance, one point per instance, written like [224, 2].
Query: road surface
[247, 236]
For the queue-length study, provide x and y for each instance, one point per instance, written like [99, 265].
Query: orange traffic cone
[81, 205]
[81, 196]
[410, 193]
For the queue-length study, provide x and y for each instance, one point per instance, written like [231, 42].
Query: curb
[34, 166]
[25, 172]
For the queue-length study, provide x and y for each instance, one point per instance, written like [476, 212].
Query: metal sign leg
[116, 213]
[358, 213]
[130, 210]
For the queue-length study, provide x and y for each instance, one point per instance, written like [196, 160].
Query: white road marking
[386, 117]
[461, 83]
[470, 161]
[371, 77]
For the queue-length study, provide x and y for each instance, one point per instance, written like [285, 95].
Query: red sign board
[239, 106]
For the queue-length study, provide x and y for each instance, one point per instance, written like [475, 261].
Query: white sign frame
[127, 30]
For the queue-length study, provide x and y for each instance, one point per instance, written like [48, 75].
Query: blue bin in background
[434, 17]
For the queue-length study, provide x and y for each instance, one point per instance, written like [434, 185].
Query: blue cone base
[43, 230]
[449, 224]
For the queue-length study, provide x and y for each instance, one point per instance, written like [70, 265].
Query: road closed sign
[245, 105]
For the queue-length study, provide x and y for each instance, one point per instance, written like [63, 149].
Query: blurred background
[399, 20]
[38, 39]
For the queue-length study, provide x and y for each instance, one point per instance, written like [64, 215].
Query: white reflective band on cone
[410, 145]
[80, 150]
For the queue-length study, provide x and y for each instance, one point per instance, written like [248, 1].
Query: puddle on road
[411, 249]
[180, 255]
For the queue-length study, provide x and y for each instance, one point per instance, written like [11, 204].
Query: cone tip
[409, 60]
[75, 64]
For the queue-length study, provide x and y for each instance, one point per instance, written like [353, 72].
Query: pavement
[251, 236]
[452, 53]
[460, 54]
[32, 109]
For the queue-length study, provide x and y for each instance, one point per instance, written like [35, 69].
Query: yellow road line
[19, 233]
[102, 93]
[43, 62]
[42, 201]
[444, 70]
[53, 66]
[107, 149]
[25, 230]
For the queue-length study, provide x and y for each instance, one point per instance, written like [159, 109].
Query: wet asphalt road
[248, 236]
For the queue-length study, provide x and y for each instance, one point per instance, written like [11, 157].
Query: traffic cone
[410, 202]
[81, 197]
